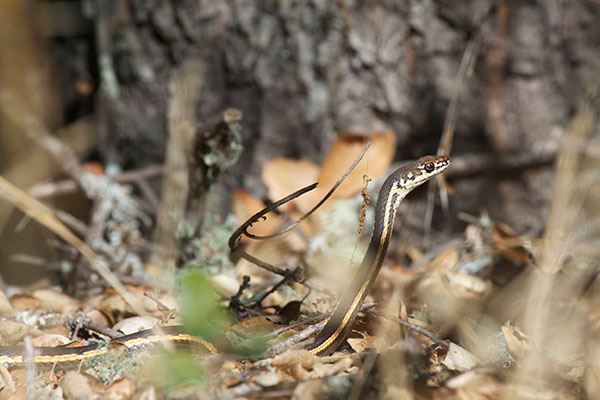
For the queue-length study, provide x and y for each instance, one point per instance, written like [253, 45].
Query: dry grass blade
[544, 288]
[30, 366]
[44, 216]
[466, 65]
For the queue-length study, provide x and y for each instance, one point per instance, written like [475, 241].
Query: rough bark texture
[302, 72]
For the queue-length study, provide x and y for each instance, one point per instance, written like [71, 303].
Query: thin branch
[413, 327]
[318, 205]
[243, 229]
[80, 320]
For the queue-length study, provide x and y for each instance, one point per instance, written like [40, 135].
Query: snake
[13, 355]
[394, 189]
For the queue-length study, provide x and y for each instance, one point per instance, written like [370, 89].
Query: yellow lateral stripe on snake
[392, 192]
[73, 354]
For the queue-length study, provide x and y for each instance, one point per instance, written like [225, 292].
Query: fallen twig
[298, 275]
[413, 327]
[285, 344]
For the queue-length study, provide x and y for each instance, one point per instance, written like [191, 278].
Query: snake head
[418, 172]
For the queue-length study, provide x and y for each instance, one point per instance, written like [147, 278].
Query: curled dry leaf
[135, 324]
[469, 284]
[245, 205]
[509, 243]
[461, 286]
[367, 342]
[518, 344]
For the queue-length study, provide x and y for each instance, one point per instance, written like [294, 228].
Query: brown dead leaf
[283, 176]
[268, 379]
[508, 243]
[308, 390]
[50, 340]
[321, 370]
[344, 151]
[135, 324]
[290, 312]
[446, 260]
[55, 301]
[22, 302]
[367, 342]
[298, 372]
[62, 330]
[6, 309]
[100, 317]
[295, 356]
[475, 382]
[468, 284]
[113, 304]
[76, 386]
[121, 390]
[19, 394]
[459, 359]
[12, 332]
[460, 286]
[518, 344]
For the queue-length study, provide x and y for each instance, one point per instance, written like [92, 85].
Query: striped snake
[393, 191]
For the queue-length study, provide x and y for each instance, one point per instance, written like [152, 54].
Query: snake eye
[429, 167]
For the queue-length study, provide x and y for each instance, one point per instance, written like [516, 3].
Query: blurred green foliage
[200, 306]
